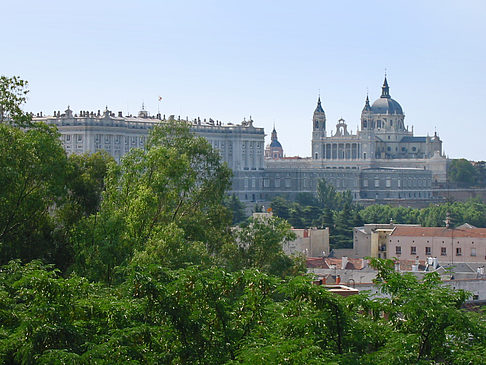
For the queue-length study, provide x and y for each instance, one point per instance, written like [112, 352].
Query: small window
[458, 251]
[473, 251]
[443, 251]
[428, 251]
[413, 250]
[398, 250]
[377, 183]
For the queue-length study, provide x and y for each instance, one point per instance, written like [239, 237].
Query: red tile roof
[411, 231]
[320, 263]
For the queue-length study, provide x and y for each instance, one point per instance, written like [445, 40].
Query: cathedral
[382, 136]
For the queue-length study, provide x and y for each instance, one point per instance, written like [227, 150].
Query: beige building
[370, 240]
[462, 244]
[311, 242]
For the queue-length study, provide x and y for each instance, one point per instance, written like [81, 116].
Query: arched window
[317, 125]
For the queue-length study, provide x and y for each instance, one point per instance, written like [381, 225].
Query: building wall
[397, 181]
[471, 249]
[309, 242]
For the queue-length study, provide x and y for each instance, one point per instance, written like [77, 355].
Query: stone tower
[274, 150]
[318, 129]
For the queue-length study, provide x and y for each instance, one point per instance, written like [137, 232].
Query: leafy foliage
[13, 92]
[260, 245]
[236, 207]
[208, 315]
[461, 172]
[32, 165]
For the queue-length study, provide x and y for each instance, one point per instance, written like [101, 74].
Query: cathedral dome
[385, 104]
[275, 143]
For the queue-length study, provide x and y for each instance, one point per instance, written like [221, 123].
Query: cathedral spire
[367, 103]
[385, 93]
[274, 134]
[319, 106]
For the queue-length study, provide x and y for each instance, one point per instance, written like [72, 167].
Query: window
[277, 183]
[458, 251]
[68, 137]
[428, 251]
[413, 250]
[377, 183]
[398, 250]
[266, 183]
[443, 251]
[365, 183]
[473, 251]
[388, 182]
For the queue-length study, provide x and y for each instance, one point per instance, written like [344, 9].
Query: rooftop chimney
[344, 262]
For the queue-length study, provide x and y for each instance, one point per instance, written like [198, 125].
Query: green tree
[341, 235]
[281, 207]
[236, 207]
[428, 325]
[32, 166]
[461, 172]
[259, 244]
[13, 91]
[179, 180]
[326, 195]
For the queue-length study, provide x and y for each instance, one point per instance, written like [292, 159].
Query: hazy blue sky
[268, 59]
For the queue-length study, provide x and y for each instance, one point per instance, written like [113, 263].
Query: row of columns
[341, 151]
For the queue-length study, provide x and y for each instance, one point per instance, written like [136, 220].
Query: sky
[230, 60]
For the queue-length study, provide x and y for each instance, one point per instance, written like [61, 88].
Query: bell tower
[318, 129]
